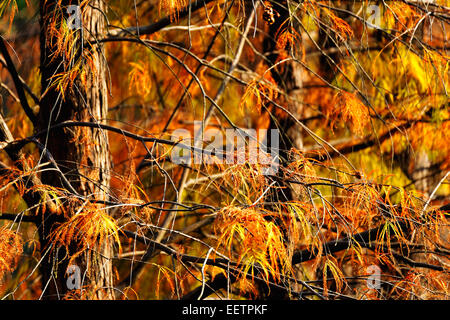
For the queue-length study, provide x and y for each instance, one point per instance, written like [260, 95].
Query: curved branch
[17, 82]
[157, 26]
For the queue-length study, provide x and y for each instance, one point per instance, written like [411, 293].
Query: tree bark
[82, 154]
[289, 77]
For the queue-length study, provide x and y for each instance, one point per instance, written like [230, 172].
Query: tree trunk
[289, 77]
[82, 154]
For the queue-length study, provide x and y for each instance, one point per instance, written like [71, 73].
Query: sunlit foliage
[358, 99]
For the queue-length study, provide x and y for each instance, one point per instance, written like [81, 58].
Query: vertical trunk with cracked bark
[82, 154]
[289, 77]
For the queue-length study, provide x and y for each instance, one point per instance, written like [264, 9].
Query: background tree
[90, 128]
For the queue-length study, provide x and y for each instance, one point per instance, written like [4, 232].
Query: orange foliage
[262, 90]
[259, 240]
[351, 109]
[172, 7]
[329, 67]
[10, 250]
[343, 29]
[89, 227]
